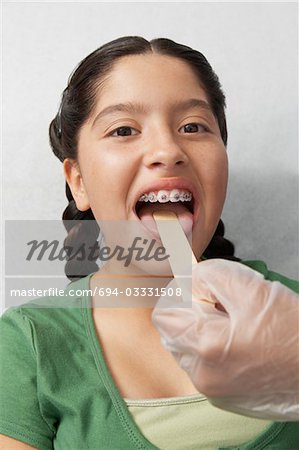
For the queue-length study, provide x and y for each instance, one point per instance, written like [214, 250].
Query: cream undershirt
[192, 423]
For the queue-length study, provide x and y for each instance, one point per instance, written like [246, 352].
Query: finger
[187, 330]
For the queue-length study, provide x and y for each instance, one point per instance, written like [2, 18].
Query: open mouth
[179, 201]
[173, 200]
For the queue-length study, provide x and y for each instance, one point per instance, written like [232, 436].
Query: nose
[164, 152]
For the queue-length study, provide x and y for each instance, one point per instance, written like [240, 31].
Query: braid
[83, 232]
[219, 246]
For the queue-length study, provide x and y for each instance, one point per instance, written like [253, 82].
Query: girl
[140, 123]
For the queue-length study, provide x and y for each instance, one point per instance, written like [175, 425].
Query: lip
[169, 184]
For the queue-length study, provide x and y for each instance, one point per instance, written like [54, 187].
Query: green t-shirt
[56, 389]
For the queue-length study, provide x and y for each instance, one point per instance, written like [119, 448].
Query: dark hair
[78, 101]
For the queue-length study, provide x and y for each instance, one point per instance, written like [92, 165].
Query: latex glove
[245, 360]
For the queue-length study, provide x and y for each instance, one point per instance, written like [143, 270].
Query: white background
[253, 49]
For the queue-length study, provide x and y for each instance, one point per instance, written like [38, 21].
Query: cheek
[213, 173]
[219, 175]
[107, 178]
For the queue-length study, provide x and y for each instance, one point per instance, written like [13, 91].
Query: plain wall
[253, 49]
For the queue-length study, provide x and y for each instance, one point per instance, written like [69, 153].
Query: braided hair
[77, 103]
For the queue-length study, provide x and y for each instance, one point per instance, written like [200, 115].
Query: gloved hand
[245, 360]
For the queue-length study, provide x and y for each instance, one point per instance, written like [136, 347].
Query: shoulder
[261, 267]
[53, 313]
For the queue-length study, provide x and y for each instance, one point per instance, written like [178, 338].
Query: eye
[124, 131]
[193, 128]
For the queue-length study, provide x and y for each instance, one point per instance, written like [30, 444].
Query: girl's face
[152, 130]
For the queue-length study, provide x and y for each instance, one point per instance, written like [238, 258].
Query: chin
[153, 268]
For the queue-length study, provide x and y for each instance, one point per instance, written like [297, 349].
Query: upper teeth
[163, 196]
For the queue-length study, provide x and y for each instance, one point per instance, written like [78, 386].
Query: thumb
[231, 283]
[172, 322]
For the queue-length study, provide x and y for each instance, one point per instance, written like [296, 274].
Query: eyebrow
[139, 108]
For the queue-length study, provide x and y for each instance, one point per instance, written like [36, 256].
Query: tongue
[184, 215]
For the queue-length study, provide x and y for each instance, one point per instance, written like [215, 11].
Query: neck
[126, 287]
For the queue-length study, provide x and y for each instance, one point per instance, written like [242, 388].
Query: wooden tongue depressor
[176, 233]
[176, 244]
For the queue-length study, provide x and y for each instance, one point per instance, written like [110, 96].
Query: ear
[75, 181]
